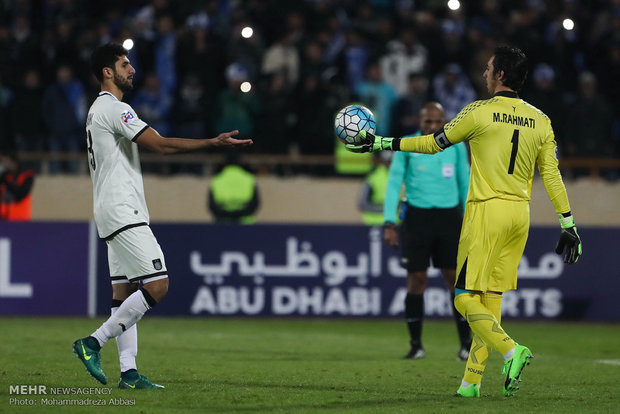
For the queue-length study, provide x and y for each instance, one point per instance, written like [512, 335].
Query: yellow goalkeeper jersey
[507, 137]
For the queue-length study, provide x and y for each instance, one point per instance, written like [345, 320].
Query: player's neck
[502, 88]
[113, 89]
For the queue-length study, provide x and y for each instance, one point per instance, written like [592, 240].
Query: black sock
[414, 312]
[92, 343]
[129, 371]
[462, 327]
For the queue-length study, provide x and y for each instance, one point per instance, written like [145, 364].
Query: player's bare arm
[151, 139]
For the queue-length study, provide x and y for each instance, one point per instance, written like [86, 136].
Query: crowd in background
[304, 60]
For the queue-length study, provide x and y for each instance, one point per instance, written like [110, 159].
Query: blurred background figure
[6, 124]
[372, 195]
[189, 115]
[64, 111]
[405, 55]
[233, 194]
[154, 104]
[378, 96]
[16, 185]
[283, 58]
[545, 96]
[406, 113]
[452, 90]
[234, 108]
[589, 122]
[28, 122]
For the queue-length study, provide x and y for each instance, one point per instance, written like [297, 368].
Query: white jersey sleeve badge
[127, 117]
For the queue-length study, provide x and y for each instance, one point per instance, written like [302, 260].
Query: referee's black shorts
[430, 233]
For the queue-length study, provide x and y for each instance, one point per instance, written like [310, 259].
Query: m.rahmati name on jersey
[127, 117]
[514, 119]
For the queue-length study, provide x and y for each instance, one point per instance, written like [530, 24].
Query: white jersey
[112, 127]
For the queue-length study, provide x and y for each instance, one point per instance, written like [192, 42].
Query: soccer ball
[350, 120]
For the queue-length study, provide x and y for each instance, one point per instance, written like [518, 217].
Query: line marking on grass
[608, 361]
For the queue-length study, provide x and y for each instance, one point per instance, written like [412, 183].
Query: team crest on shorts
[157, 264]
[127, 117]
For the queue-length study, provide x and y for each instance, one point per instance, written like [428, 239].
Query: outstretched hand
[225, 139]
[365, 143]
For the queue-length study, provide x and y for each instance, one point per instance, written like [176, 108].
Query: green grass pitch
[213, 365]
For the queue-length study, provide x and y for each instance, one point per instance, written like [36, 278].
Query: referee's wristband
[388, 225]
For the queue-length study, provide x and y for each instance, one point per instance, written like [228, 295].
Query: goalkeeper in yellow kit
[507, 137]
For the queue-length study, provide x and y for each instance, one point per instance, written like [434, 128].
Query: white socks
[509, 354]
[127, 344]
[126, 316]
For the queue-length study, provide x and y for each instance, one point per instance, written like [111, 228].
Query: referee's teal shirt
[431, 181]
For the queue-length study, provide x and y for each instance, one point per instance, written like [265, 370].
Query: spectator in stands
[274, 121]
[283, 57]
[202, 54]
[451, 88]
[406, 55]
[23, 47]
[406, 114]
[189, 115]
[165, 54]
[6, 130]
[28, 122]
[355, 56]
[589, 122]
[378, 96]
[64, 111]
[235, 107]
[454, 47]
[315, 103]
[545, 96]
[154, 103]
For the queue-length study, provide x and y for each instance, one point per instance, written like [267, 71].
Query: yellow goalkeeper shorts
[492, 240]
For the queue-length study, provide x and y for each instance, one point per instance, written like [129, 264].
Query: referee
[436, 191]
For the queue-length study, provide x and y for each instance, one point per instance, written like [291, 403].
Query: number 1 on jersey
[513, 154]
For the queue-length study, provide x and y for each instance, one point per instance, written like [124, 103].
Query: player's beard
[491, 84]
[122, 84]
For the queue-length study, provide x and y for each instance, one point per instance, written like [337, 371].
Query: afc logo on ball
[127, 117]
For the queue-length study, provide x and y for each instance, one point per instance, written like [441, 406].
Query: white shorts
[135, 256]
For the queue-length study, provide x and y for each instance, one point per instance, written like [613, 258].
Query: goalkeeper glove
[569, 239]
[370, 143]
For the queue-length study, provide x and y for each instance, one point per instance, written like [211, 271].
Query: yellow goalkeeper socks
[479, 352]
[479, 310]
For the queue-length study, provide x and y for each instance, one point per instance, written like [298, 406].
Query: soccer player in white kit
[137, 267]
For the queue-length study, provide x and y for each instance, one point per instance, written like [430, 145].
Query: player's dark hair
[105, 56]
[513, 62]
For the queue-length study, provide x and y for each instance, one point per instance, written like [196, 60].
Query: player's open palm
[225, 139]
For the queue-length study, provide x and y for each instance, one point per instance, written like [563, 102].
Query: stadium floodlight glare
[128, 44]
[454, 4]
[245, 87]
[247, 32]
[568, 24]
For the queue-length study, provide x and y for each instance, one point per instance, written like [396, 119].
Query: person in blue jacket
[436, 191]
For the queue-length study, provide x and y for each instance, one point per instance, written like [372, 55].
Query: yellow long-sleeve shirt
[507, 137]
